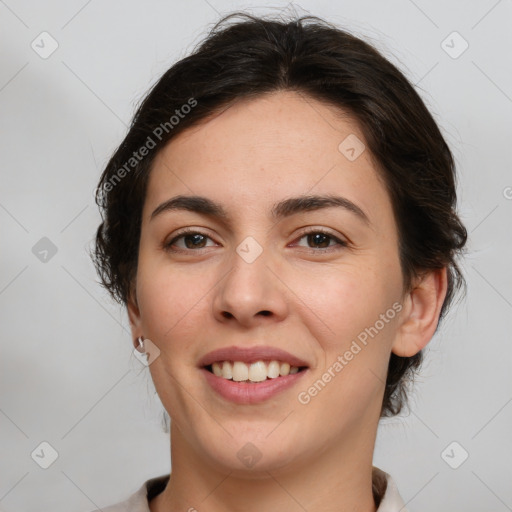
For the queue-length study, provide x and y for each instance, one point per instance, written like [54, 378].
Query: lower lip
[250, 393]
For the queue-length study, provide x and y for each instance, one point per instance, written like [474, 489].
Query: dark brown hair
[254, 56]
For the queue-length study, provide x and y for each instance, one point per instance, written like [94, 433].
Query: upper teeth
[255, 372]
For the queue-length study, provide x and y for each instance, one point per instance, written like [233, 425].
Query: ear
[420, 315]
[132, 308]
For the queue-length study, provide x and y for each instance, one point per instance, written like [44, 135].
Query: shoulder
[386, 493]
[138, 501]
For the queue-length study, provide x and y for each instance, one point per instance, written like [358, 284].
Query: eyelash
[189, 231]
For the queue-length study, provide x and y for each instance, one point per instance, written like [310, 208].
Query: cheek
[170, 299]
[359, 312]
[347, 300]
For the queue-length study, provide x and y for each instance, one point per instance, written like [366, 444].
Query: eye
[320, 239]
[190, 238]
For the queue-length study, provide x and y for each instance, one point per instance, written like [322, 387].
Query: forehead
[262, 149]
[267, 127]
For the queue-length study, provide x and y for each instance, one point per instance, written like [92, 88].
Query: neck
[336, 479]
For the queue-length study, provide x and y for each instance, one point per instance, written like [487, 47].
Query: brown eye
[188, 240]
[321, 240]
[194, 241]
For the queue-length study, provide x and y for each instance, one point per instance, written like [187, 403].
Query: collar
[385, 493]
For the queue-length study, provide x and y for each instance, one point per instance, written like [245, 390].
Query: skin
[188, 302]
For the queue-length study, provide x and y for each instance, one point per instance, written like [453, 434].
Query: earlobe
[420, 315]
[132, 308]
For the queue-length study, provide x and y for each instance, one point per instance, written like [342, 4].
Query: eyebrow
[282, 209]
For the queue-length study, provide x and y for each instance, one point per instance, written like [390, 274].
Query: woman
[280, 223]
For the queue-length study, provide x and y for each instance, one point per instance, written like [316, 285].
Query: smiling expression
[289, 245]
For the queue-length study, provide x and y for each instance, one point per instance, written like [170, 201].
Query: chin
[253, 453]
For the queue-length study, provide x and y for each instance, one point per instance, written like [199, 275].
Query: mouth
[251, 375]
[258, 371]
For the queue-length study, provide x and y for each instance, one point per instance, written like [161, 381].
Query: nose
[251, 293]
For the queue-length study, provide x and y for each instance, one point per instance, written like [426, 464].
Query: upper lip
[250, 355]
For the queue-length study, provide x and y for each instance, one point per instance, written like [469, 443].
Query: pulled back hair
[247, 58]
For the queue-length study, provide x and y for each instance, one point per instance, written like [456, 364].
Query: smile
[251, 375]
[259, 371]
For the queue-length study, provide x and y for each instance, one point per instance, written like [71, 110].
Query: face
[319, 281]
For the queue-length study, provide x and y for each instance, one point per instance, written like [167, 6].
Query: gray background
[68, 375]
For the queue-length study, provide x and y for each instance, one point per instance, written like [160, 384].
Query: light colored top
[385, 493]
